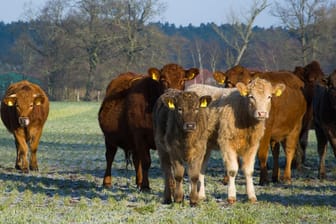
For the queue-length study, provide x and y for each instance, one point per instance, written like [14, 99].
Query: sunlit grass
[68, 187]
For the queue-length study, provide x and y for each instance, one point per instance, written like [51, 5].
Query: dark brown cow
[311, 75]
[179, 121]
[125, 116]
[284, 123]
[24, 110]
[324, 108]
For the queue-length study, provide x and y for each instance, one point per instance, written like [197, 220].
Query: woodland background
[74, 48]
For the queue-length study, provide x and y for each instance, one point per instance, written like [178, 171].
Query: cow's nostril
[189, 126]
[23, 121]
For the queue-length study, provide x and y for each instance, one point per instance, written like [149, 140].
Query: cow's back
[112, 113]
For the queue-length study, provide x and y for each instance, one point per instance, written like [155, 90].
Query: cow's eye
[180, 110]
[269, 97]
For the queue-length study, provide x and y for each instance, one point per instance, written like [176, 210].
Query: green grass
[68, 187]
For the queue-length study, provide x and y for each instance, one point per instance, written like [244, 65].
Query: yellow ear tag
[278, 92]
[171, 104]
[243, 93]
[221, 82]
[38, 103]
[155, 76]
[10, 103]
[204, 103]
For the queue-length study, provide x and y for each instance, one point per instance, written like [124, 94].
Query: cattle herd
[247, 113]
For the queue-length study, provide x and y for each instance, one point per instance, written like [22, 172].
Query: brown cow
[324, 107]
[125, 116]
[179, 121]
[24, 110]
[284, 123]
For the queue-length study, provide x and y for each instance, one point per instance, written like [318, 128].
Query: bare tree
[304, 18]
[238, 43]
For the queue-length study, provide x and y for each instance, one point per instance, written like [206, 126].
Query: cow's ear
[205, 101]
[242, 88]
[220, 77]
[38, 100]
[191, 73]
[154, 73]
[279, 89]
[10, 100]
[170, 102]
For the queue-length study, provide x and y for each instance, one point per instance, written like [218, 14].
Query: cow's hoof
[167, 201]
[33, 168]
[25, 170]
[193, 204]
[145, 189]
[231, 200]
[107, 182]
[253, 200]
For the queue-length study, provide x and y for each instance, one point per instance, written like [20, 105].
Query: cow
[236, 123]
[125, 116]
[179, 120]
[24, 111]
[311, 75]
[285, 120]
[324, 110]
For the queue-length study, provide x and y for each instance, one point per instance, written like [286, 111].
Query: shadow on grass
[300, 199]
[70, 186]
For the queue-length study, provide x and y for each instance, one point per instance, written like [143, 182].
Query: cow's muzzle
[23, 121]
[261, 115]
[189, 126]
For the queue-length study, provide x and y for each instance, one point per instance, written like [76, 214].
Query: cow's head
[24, 105]
[231, 77]
[173, 76]
[311, 74]
[188, 107]
[258, 93]
[332, 89]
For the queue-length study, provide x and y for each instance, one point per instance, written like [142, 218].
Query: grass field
[68, 187]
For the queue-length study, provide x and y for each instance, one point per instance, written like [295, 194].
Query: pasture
[68, 187]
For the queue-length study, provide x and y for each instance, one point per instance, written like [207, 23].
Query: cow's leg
[178, 170]
[276, 169]
[145, 164]
[262, 156]
[35, 139]
[322, 142]
[169, 182]
[21, 151]
[194, 169]
[291, 143]
[201, 193]
[111, 150]
[138, 169]
[248, 168]
[230, 159]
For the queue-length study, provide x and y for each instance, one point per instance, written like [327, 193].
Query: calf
[24, 110]
[324, 110]
[236, 124]
[179, 119]
[284, 124]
